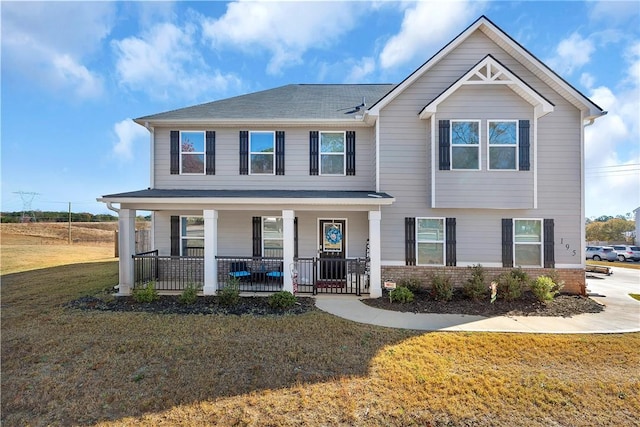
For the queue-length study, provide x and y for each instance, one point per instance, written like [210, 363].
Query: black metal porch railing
[170, 273]
[251, 274]
[333, 275]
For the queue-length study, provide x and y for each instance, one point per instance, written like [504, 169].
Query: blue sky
[74, 74]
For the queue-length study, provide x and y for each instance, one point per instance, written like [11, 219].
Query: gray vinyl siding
[488, 189]
[296, 164]
[405, 163]
[235, 231]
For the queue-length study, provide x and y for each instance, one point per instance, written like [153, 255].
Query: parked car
[599, 253]
[626, 252]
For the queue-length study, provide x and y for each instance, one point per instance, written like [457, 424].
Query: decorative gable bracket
[490, 71]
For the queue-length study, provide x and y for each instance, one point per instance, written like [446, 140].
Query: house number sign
[568, 247]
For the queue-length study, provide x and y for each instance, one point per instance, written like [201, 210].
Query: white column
[210, 252]
[288, 250]
[126, 249]
[375, 278]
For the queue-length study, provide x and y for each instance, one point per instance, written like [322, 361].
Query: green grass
[71, 367]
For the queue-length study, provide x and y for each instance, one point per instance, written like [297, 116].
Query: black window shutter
[175, 236]
[295, 237]
[525, 145]
[257, 236]
[175, 152]
[211, 152]
[313, 152]
[549, 241]
[244, 152]
[507, 242]
[351, 152]
[451, 242]
[443, 145]
[280, 152]
[410, 241]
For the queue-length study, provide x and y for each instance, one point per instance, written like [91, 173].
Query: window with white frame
[192, 152]
[272, 237]
[332, 153]
[430, 240]
[527, 242]
[262, 153]
[191, 236]
[502, 137]
[465, 144]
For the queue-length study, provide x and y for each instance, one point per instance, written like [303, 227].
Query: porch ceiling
[179, 198]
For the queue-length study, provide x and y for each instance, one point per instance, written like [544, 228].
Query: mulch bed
[255, 306]
[563, 305]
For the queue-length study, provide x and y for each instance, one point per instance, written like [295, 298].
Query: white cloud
[571, 54]
[128, 133]
[360, 71]
[165, 62]
[612, 148]
[48, 43]
[426, 27]
[286, 30]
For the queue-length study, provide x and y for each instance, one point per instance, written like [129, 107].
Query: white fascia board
[178, 201]
[218, 123]
[513, 82]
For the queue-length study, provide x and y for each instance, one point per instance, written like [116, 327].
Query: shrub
[282, 299]
[475, 287]
[414, 284]
[401, 294]
[189, 295]
[230, 294]
[148, 293]
[510, 284]
[545, 288]
[441, 287]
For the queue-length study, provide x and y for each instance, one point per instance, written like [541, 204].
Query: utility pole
[69, 222]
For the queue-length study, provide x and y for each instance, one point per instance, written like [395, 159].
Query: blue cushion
[239, 273]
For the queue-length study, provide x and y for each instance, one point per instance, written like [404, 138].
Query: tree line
[610, 229]
[53, 216]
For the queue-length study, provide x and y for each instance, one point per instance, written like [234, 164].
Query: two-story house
[477, 157]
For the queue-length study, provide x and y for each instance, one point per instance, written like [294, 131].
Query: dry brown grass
[69, 367]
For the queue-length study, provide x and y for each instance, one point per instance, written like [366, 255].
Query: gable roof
[513, 48]
[491, 71]
[290, 103]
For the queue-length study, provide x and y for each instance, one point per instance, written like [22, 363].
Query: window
[503, 144]
[430, 239]
[527, 242]
[192, 152]
[262, 152]
[465, 145]
[191, 236]
[332, 153]
[272, 237]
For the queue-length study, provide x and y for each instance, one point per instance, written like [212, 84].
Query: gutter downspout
[593, 119]
[112, 208]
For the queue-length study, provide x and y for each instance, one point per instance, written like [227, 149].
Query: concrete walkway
[621, 313]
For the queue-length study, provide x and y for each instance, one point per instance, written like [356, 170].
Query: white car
[599, 253]
[627, 253]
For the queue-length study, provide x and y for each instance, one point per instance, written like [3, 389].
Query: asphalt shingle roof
[294, 101]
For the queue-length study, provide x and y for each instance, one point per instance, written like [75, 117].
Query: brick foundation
[574, 279]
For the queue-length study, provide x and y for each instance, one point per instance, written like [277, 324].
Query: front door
[333, 249]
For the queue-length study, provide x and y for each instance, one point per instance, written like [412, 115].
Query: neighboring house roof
[294, 102]
[308, 197]
[512, 47]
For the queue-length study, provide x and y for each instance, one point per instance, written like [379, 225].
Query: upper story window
[262, 147]
[465, 144]
[192, 152]
[430, 241]
[332, 153]
[527, 242]
[191, 236]
[503, 144]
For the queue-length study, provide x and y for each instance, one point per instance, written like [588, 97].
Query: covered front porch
[316, 242]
